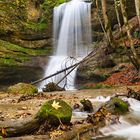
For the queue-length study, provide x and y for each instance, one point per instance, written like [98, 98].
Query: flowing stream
[72, 38]
[128, 127]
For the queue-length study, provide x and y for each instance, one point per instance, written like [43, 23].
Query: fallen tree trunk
[131, 94]
[52, 112]
[76, 132]
[28, 128]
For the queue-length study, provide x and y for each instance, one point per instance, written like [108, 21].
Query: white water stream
[129, 125]
[127, 129]
[72, 38]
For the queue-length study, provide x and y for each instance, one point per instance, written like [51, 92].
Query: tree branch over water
[72, 67]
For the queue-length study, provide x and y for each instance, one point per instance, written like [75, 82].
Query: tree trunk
[137, 5]
[107, 24]
[117, 14]
[134, 56]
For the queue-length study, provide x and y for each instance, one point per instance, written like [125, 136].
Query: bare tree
[137, 5]
[117, 4]
[133, 56]
[107, 23]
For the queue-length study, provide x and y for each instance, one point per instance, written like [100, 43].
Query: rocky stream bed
[16, 110]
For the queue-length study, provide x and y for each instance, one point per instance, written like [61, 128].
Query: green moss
[12, 54]
[48, 6]
[100, 86]
[104, 76]
[22, 88]
[63, 113]
[117, 106]
[120, 49]
[35, 26]
[97, 86]
[4, 61]
[7, 46]
[13, 14]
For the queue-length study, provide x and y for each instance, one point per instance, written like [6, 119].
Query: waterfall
[72, 38]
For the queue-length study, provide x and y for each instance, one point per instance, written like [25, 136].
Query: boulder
[57, 111]
[22, 88]
[117, 106]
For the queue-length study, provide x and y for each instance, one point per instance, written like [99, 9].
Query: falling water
[72, 38]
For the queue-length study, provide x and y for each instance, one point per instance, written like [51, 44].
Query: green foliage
[104, 76]
[97, 86]
[136, 34]
[48, 6]
[12, 14]
[40, 26]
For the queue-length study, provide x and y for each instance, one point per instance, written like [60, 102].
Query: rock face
[28, 23]
[22, 88]
[12, 54]
[22, 24]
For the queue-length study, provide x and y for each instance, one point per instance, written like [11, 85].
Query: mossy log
[76, 132]
[53, 111]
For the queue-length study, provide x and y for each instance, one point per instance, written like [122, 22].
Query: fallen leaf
[3, 131]
[55, 105]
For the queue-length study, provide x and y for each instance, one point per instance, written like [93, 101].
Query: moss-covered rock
[50, 87]
[56, 111]
[87, 105]
[22, 88]
[117, 106]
